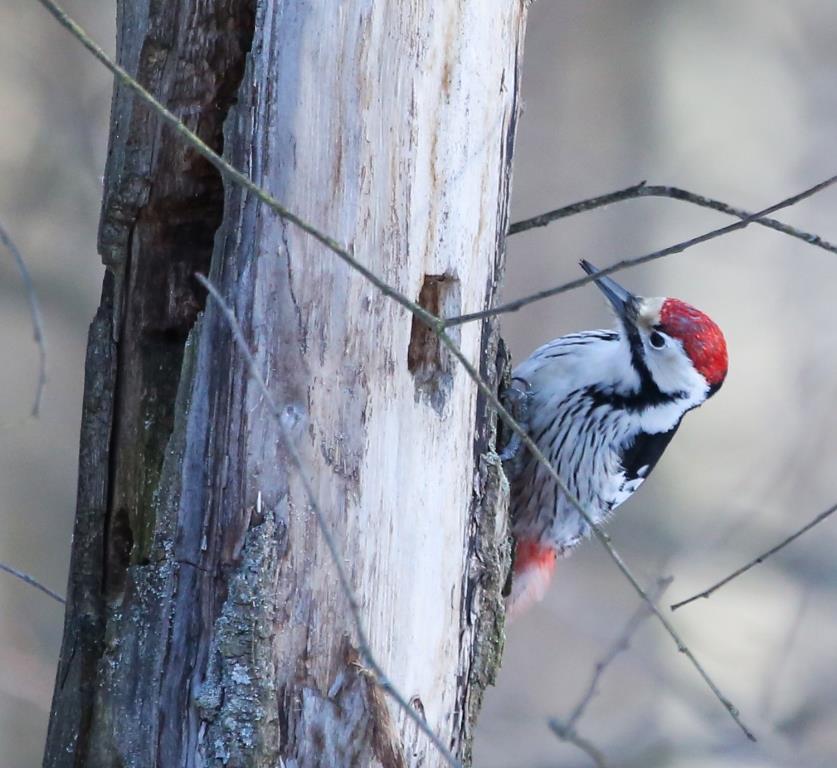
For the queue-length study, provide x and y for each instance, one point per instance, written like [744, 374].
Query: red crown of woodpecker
[701, 337]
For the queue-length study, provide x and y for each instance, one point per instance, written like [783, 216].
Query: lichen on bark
[238, 700]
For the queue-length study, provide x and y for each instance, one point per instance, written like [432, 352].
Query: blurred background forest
[732, 100]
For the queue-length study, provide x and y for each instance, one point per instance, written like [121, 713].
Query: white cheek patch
[664, 417]
[673, 372]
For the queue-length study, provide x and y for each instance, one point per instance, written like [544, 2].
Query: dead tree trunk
[205, 625]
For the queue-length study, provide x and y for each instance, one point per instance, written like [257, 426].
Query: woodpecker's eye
[658, 341]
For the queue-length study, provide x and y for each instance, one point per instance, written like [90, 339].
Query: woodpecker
[602, 406]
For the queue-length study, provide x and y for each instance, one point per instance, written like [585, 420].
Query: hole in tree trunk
[427, 358]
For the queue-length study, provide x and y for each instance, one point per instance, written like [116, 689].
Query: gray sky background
[732, 100]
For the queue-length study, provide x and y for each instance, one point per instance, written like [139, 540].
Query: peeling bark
[205, 625]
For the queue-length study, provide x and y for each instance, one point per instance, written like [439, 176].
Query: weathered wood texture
[205, 624]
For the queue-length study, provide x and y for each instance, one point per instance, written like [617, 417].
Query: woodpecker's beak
[624, 303]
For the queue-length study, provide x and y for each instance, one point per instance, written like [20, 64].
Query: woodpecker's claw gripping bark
[516, 400]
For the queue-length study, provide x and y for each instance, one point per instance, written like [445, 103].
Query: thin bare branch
[566, 729]
[428, 318]
[31, 581]
[514, 306]
[590, 204]
[568, 734]
[621, 645]
[674, 193]
[296, 459]
[760, 559]
[35, 313]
